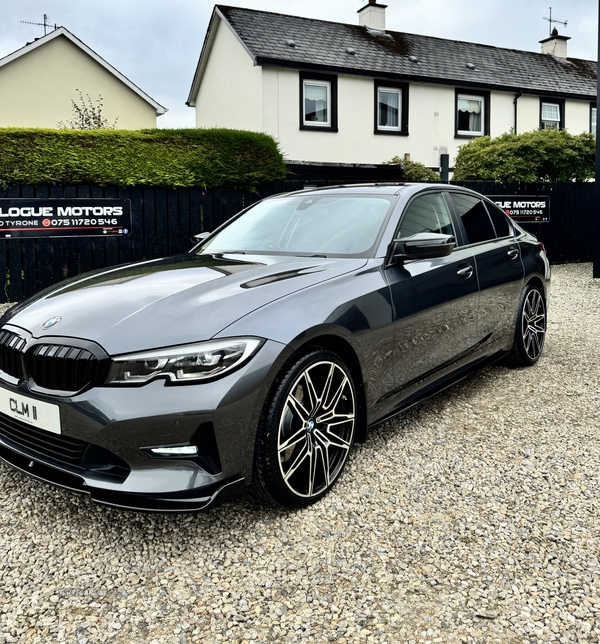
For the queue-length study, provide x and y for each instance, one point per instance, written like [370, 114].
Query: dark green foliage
[541, 155]
[162, 158]
[414, 171]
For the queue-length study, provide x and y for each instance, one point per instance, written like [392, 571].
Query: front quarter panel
[354, 307]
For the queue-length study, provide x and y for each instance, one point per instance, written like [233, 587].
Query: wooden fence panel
[568, 235]
[163, 222]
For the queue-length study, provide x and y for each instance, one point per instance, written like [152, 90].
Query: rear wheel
[530, 331]
[306, 430]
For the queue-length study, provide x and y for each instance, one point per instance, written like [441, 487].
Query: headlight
[188, 363]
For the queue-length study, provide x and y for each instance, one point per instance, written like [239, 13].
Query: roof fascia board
[61, 31]
[206, 49]
[277, 62]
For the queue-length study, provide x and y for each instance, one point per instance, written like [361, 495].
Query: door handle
[466, 271]
[513, 253]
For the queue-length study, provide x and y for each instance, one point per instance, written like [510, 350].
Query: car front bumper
[107, 432]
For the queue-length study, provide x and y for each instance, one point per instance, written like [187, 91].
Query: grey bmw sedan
[260, 356]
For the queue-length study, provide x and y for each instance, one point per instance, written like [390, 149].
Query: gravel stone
[472, 518]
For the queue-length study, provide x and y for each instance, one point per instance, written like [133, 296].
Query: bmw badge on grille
[51, 322]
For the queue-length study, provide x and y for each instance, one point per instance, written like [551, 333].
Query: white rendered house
[332, 92]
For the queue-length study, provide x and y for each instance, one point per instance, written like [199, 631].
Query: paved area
[472, 518]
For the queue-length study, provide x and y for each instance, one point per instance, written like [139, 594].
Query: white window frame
[593, 120]
[547, 120]
[390, 90]
[317, 83]
[471, 97]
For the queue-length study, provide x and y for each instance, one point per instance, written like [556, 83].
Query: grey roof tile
[322, 44]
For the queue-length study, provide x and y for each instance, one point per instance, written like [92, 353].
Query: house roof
[61, 31]
[322, 45]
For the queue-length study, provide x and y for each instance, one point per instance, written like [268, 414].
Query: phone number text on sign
[64, 217]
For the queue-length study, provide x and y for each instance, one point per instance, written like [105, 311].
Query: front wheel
[530, 331]
[306, 430]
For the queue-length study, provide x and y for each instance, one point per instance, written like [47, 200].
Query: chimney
[372, 16]
[555, 45]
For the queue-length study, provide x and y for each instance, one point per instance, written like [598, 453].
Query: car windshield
[313, 224]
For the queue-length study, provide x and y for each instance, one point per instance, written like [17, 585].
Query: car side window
[426, 214]
[499, 219]
[475, 218]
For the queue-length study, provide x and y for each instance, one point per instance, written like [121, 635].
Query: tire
[306, 430]
[530, 330]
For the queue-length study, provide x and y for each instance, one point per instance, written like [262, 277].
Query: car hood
[170, 301]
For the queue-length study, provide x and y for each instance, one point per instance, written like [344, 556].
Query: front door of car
[499, 267]
[434, 300]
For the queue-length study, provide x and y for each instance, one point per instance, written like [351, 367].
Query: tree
[541, 155]
[415, 171]
[88, 116]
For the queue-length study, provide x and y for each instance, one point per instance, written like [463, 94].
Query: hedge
[204, 158]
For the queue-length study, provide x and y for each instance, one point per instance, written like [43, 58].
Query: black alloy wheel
[306, 431]
[530, 331]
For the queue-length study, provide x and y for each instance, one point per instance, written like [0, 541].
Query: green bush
[541, 155]
[414, 171]
[203, 158]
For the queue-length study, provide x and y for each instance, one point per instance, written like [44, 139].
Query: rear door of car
[489, 236]
[434, 300]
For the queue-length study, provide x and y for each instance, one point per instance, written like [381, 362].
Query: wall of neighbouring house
[577, 116]
[231, 91]
[528, 114]
[37, 89]
[431, 120]
[238, 94]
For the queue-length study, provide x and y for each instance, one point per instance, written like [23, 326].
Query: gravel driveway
[472, 518]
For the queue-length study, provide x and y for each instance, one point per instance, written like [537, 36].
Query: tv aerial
[552, 20]
[44, 24]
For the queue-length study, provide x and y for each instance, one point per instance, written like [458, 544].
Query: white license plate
[39, 414]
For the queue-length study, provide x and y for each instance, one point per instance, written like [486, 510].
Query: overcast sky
[157, 44]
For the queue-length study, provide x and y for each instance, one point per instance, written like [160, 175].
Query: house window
[550, 116]
[472, 114]
[593, 120]
[391, 108]
[318, 102]
[317, 99]
[388, 108]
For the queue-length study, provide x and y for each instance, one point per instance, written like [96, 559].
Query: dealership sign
[523, 208]
[64, 217]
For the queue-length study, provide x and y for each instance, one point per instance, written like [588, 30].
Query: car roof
[395, 188]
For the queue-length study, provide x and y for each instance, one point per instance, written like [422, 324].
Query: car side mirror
[423, 246]
[196, 239]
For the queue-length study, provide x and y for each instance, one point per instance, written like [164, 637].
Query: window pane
[593, 123]
[470, 113]
[474, 217]
[426, 214]
[389, 108]
[499, 220]
[550, 112]
[469, 105]
[315, 102]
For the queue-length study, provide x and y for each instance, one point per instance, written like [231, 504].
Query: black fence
[568, 235]
[163, 222]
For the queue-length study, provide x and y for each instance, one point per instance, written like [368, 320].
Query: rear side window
[499, 220]
[475, 218]
[426, 214]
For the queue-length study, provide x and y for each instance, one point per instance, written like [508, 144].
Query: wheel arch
[536, 280]
[344, 349]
